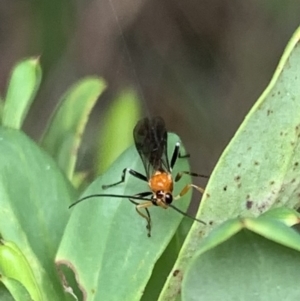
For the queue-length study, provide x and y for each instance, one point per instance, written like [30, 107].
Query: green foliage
[118, 240]
[64, 133]
[258, 170]
[24, 82]
[116, 133]
[247, 250]
[245, 265]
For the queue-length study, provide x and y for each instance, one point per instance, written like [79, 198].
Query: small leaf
[115, 134]
[63, 136]
[24, 83]
[16, 289]
[274, 230]
[289, 217]
[245, 267]
[14, 265]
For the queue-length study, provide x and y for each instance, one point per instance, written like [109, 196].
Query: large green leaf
[106, 241]
[245, 266]
[260, 167]
[64, 134]
[34, 199]
[23, 85]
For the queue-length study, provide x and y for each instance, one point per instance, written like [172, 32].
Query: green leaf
[216, 237]
[34, 199]
[24, 83]
[5, 295]
[113, 258]
[259, 169]
[245, 267]
[116, 134]
[16, 289]
[289, 217]
[274, 230]
[63, 136]
[14, 265]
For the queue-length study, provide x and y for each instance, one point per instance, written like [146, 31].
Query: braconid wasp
[150, 138]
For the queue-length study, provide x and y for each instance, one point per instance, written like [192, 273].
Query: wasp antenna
[183, 213]
[108, 195]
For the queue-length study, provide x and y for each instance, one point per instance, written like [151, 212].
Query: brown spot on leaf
[237, 178]
[249, 204]
[256, 163]
[175, 273]
[272, 183]
[262, 207]
[208, 195]
[239, 165]
[62, 264]
[225, 188]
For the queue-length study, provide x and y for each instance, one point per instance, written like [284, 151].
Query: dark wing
[150, 137]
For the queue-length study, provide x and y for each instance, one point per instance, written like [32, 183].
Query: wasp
[151, 142]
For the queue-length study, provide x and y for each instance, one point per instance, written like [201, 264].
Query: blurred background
[201, 64]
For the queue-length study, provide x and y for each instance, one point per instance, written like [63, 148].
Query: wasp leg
[193, 174]
[175, 155]
[139, 205]
[145, 206]
[131, 172]
[142, 195]
[181, 194]
[186, 189]
[183, 156]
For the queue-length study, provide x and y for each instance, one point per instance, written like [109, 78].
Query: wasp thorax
[161, 181]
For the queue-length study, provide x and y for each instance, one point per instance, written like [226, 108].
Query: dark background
[199, 64]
